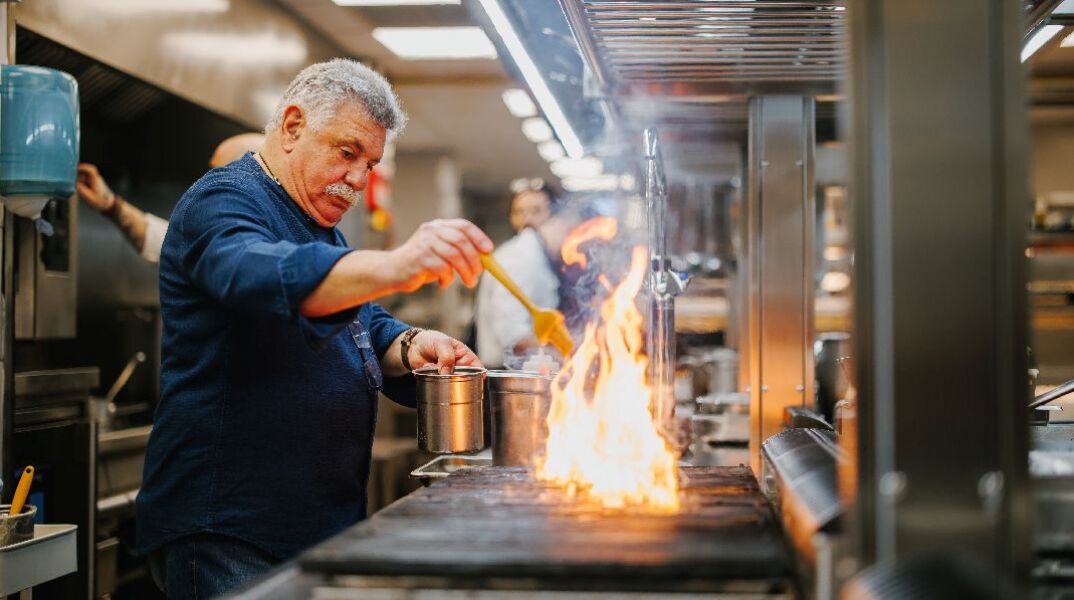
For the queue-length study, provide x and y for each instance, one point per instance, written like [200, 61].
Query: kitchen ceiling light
[1066, 7]
[435, 43]
[577, 167]
[550, 150]
[536, 130]
[598, 183]
[393, 2]
[236, 50]
[533, 78]
[1039, 38]
[518, 103]
[129, 8]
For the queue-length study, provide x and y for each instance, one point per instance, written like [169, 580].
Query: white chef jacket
[155, 228]
[500, 319]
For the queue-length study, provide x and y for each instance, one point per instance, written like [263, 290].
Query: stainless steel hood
[705, 47]
[687, 67]
[233, 57]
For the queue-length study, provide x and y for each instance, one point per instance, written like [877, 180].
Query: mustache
[342, 190]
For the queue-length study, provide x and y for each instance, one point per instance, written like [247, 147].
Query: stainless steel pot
[721, 369]
[16, 528]
[519, 402]
[831, 377]
[450, 410]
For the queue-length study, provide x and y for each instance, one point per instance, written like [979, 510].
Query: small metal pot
[16, 528]
[519, 403]
[450, 410]
[831, 378]
[721, 368]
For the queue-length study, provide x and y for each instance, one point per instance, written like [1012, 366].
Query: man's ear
[292, 127]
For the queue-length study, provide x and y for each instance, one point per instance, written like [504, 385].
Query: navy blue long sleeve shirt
[265, 423]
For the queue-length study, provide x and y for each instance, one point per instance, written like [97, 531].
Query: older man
[273, 351]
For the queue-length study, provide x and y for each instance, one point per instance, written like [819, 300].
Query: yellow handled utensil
[22, 490]
[547, 324]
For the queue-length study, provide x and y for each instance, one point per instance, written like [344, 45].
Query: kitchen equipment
[1057, 392]
[443, 466]
[450, 410]
[499, 522]
[519, 402]
[104, 409]
[18, 527]
[720, 430]
[548, 325]
[22, 490]
[721, 369]
[831, 378]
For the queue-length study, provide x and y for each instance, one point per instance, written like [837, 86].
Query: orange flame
[603, 228]
[603, 442]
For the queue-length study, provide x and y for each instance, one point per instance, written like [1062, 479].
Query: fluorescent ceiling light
[536, 130]
[393, 2]
[518, 103]
[435, 43]
[577, 167]
[141, 7]
[598, 183]
[550, 150]
[533, 78]
[1066, 7]
[1038, 39]
[236, 49]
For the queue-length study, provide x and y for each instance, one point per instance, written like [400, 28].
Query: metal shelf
[48, 555]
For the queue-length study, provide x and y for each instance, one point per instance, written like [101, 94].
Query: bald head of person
[234, 147]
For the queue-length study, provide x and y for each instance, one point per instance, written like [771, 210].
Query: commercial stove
[498, 531]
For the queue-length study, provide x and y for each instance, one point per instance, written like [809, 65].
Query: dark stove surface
[499, 522]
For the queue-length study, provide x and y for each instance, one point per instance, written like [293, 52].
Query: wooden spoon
[548, 325]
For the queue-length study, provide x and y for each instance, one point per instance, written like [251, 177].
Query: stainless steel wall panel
[939, 197]
[779, 300]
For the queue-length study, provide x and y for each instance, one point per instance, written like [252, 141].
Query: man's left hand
[430, 347]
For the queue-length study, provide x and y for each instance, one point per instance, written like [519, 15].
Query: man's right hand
[438, 250]
[92, 188]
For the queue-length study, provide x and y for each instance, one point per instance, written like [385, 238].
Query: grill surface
[499, 522]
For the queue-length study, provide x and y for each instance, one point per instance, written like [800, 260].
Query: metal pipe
[664, 285]
[691, 27]
[597, 5]
[583, 36]
[690, 33]
[740, 55]
[1057, 392]
[781, 17]
[137, 359]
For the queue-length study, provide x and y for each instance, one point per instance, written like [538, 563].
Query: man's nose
[357, 178]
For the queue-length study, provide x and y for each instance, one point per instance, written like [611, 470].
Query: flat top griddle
[499, 522]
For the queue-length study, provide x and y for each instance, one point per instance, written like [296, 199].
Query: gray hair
[320, 88]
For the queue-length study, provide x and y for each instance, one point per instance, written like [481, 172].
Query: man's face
[330, 164]
[529, 209]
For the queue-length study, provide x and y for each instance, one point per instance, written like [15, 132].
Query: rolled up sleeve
[384, 329]
[232, 255]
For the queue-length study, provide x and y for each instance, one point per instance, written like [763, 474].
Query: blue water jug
[39, 133]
